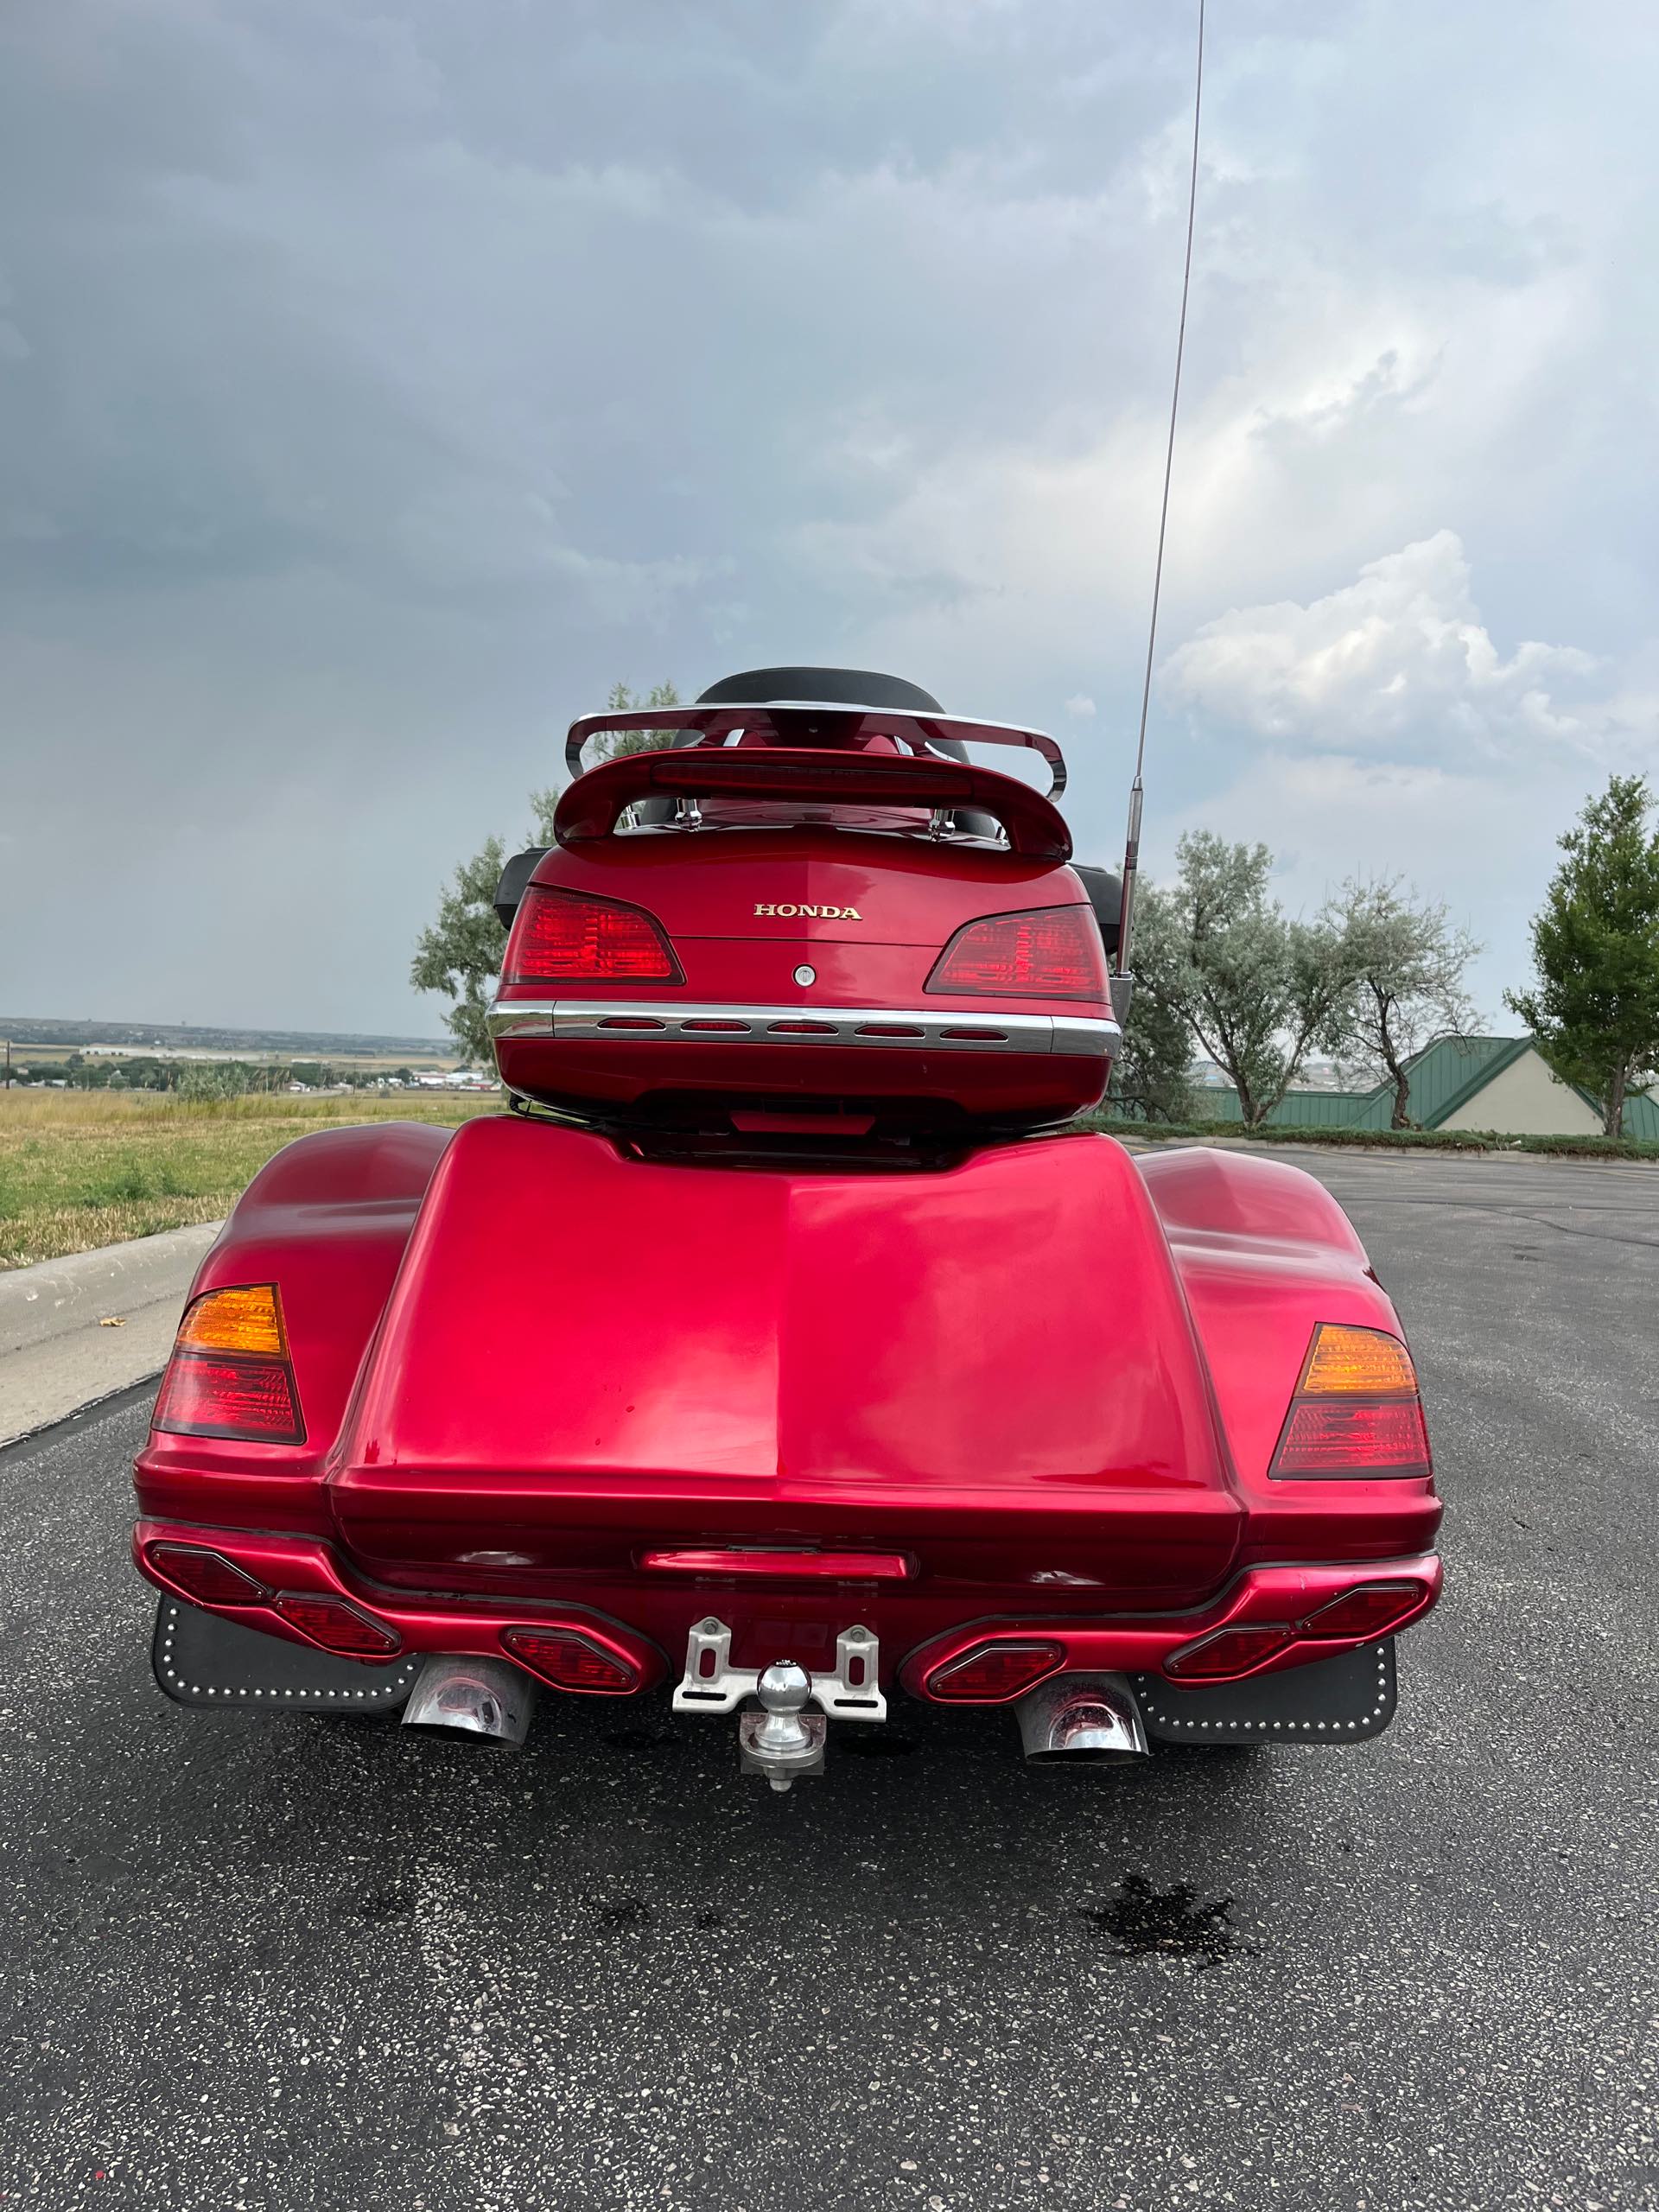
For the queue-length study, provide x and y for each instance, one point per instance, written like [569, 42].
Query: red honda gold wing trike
[781, 1352]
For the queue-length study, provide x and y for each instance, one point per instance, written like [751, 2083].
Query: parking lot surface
[257, 1964]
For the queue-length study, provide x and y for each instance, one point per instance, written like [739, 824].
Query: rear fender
[327, 1220]
[1265, 1254]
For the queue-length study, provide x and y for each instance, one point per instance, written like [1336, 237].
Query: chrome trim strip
[581, 1021]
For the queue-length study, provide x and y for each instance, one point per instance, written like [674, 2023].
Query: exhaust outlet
[481, 1697]
[1074, 1717]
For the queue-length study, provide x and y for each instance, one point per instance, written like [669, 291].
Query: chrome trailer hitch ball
[781, 1741]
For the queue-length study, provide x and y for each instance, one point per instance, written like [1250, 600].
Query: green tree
[1594, 1007]
[1152, 1075]
[458, 955]
[1255, 988]
[1407, 958]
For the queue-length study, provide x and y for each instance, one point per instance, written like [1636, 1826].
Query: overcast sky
[380, 382]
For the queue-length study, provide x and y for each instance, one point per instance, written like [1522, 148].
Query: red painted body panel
[634, 1352]
[1049, 1376]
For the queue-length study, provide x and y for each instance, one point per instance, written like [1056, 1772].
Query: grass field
[83, 1168]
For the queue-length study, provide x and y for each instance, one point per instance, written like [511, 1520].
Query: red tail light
[845, 1567]
[1355, 1413]
[1053, 952]
[993, 1672]
[206, 1575]
[337, 1626]
[229, 1397]
[1230, 1652]
[571, 1661]
[230, 1374]
[563, 937]
[1375, 1608]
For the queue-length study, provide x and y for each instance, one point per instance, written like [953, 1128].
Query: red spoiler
[592, 806]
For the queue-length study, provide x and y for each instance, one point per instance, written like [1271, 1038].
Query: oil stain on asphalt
[1141, 1920]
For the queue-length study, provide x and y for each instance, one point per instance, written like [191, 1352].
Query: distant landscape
[62, 1037]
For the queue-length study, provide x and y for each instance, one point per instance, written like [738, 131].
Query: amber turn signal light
[245, 1320]
[229, 1374]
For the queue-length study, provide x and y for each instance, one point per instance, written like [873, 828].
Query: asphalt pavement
[273, 1964]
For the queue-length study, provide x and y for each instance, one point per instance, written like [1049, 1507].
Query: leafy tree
[1595, 1007]
[460, 953]
[1152, 1073]
[1407, 958]
[1255, 988]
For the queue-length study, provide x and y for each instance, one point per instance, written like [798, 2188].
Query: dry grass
[80, 1169]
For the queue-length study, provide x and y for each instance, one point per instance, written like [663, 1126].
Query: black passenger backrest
[514, 876]
[1106, 896]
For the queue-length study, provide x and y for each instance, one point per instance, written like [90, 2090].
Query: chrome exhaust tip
[480, 1697]
[1070, 1719]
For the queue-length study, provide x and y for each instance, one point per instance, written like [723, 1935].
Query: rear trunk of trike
[751, 1378]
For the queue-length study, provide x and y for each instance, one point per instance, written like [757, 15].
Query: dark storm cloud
[379, 384]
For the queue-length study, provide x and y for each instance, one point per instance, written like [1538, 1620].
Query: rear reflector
[560, 937]
[848, 1567]
[205, 1575]
[1375, 1608]
[1229, 1652]
[993, 1672]
[1053, 952]
[253, 1398]
[337, 1626]
[571, 1661]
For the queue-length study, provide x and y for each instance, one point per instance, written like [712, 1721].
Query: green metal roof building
[1501, 1084]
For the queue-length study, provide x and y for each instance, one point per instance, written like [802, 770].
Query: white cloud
[1399, 656]
[1080, 706]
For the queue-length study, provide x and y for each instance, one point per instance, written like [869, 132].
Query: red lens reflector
[559, 937]
[337, 1626]
[201, 1395]
[1229, 1652]
[1372, 1610]
[1053, 952]
[846, 1567]
[572, 1661]
[206, 1575]
[992, 1672]
[1343, 1436]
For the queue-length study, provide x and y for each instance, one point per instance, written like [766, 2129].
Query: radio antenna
[1132, 848]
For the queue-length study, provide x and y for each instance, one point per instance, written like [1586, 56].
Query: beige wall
[1526, 1101]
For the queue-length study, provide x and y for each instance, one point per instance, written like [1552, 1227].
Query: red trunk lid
[989, 1368]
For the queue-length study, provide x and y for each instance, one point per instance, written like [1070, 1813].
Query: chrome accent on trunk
[1081, 1717]
[583, 1020]
[482, 1697]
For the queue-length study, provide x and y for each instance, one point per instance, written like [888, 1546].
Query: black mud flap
[200, 1659]
[1339, 1700]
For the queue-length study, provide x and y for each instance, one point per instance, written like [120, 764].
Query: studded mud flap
[199, 1659]
[1337, 1701]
